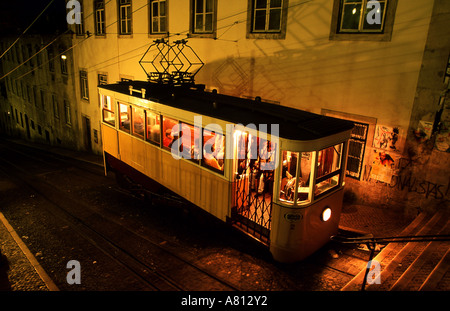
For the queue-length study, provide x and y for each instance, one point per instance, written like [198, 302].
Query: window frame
[384, 35]
[147, 138]
[193, 32]
[134, 132]
[104, 99]
[128, 112]
[128, 18]
[152, 31]
[99, 17]
[280, 34]
[203, 162]
[84, 85]
[337, 172]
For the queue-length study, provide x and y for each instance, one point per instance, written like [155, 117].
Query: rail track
[155, 266]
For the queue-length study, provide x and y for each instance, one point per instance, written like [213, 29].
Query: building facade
[382, 64]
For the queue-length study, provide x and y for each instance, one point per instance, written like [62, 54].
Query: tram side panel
[199, 186]
[299, 232]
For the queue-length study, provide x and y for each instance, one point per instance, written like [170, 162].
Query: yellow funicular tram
[275, 172]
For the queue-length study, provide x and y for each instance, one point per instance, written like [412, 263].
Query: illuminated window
[153, 127]
[158, 16]
[288, 176]
[138, 117]
[124, 122]
[363, 20]
[125, 17]
[189, 148]
[213, 150]
[108, 110]
[357, 15]
[63, 64]
[328, 169]
[168, 132]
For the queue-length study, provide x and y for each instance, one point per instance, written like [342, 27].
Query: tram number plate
[293, 217]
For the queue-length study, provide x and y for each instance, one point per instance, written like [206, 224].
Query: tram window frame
[122, 127]
[333, 177]
[205, 162]
[168, 146]
[134, 131]
[194, 157]
[149, 133]
[108, 113]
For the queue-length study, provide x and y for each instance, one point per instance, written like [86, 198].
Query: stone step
[408, 265]
[389, 251]
[416, 274]
[439, 278]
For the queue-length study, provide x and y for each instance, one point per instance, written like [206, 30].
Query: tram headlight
[326, 214]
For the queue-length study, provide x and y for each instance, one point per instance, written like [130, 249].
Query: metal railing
[371, 243]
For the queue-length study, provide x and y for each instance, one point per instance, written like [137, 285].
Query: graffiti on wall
[410, 183]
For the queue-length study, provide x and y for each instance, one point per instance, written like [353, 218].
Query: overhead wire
[20, 36]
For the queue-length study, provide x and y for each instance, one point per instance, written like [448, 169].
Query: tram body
[283, 185]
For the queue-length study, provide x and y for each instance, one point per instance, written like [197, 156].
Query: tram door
[253, 185]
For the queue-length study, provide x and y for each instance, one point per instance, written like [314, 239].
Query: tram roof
[293, 123]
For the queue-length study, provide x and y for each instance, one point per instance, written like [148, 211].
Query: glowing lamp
[326, 214]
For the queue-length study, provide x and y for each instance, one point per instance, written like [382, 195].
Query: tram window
[153, 127]
[124, 123]
[288, 176]
[108, 110]
[168, 138]
[138, 122]
[189, 148]
[328, 168]
[213, 150]
[304, 177]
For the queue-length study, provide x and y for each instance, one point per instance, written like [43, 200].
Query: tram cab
[280, 181]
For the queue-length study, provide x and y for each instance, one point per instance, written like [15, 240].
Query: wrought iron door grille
[252, 211]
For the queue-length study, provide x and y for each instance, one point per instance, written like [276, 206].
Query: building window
[102, 79]
[51, 61]
[67, 113]
[363, 20]
[99, 16]
[125, 17]
[38, 55]
[55, 106]
[204, 17]
[356, 147]
[43, 99]
[79, 28]
[84, 85]
[63, 63]
[267, 19]
[158, 16]
[362, 15]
